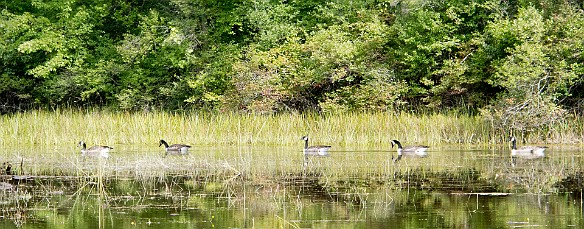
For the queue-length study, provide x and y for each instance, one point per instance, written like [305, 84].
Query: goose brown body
[316, 150]
[94, 151]
[413, 151]
[527, 152]
[174, 148]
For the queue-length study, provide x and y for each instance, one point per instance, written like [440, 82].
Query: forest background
[518, 64]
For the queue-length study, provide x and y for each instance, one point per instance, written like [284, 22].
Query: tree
[534, 78]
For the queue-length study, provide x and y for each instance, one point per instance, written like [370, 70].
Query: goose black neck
[162, 142]
[306, 143]
[513, 144]
[399, 146]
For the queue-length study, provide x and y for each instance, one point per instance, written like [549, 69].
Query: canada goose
[527, 152]
[318, 150]
[416, 151]
[95, 151]
[174, 148]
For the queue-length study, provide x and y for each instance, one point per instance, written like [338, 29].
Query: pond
[273, 187]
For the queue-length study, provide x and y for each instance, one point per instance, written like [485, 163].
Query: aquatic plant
[231, 147]
[62, 127]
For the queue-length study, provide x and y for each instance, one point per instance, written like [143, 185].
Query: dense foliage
[520, 59]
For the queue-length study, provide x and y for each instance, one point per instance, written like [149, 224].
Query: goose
[416, 151]
[174, 148]
[527, 152]
[318, 150]
[94, 151]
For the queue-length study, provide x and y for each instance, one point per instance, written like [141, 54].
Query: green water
[268, 187]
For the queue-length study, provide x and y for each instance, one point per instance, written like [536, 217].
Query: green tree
[270, 56]
[535, 79]
[43, 46]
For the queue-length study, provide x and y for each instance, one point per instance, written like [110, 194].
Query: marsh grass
[63, 127]
[231, 148]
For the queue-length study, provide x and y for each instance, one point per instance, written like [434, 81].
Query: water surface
[273, 187]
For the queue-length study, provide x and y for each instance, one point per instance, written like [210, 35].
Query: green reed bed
[64, 127]
[231, 147]
[103, 127]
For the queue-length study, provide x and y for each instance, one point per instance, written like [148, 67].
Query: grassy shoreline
[55, 134]
[103, 127]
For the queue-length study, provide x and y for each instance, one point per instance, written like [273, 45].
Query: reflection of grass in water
[339, 173]
[92, 185]
[14, 205]
[280, 203]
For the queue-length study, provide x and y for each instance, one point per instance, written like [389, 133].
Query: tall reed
[104, 127]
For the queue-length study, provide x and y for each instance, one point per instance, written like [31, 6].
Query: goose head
[82, 144]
